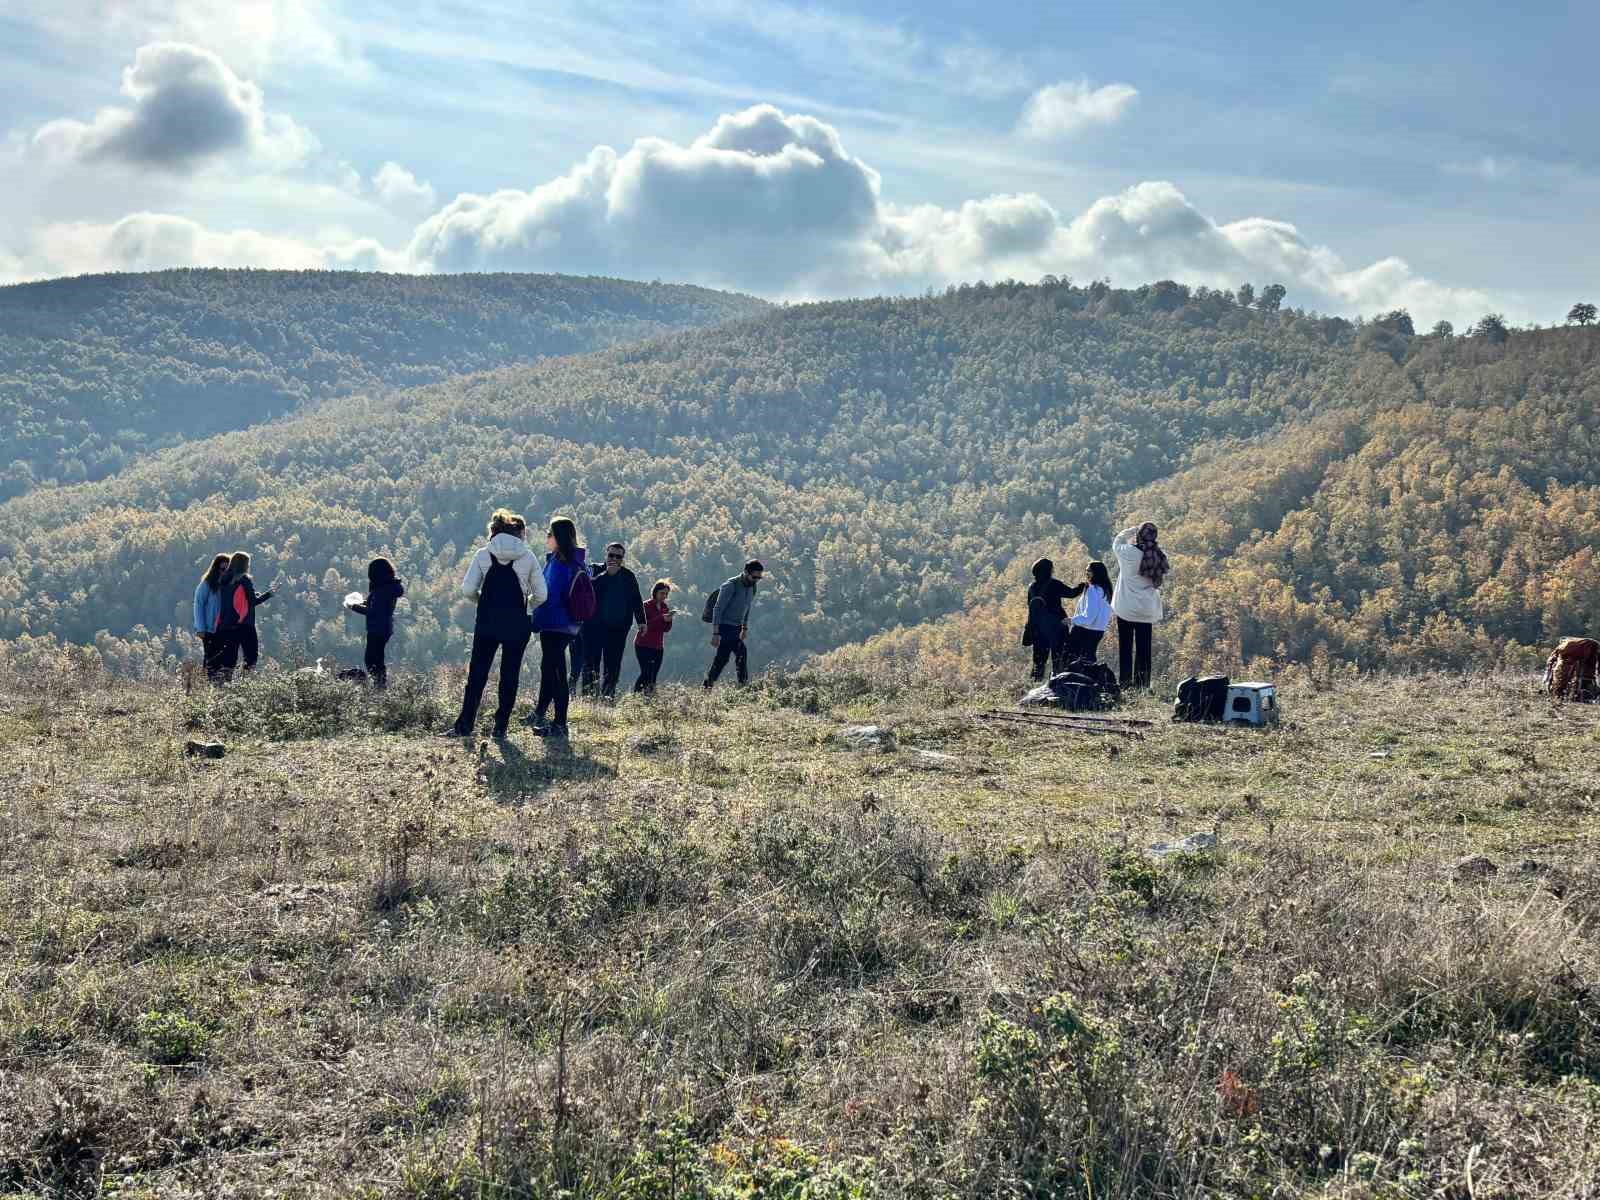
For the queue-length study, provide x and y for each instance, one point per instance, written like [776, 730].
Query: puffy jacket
[378, 608]
[1134, 598]
[657, 624]
[515, 553]
[239, 601]
[552, 616]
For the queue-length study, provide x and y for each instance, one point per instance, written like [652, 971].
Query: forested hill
[97, 370]
[1447, 514]
[883, 455]
[887, 458]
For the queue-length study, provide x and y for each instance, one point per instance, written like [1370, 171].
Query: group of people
[582, 612]
[225, 603]
[1134, 600]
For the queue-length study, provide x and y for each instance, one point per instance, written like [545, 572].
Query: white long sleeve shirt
[1093, 610]
[1135, 598]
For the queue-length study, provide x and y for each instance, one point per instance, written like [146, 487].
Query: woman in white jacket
[1141, 570]
[1092, 615]
[504, 582]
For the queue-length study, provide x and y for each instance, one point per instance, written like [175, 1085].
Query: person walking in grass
[504, 582]
[1136, 600]
[1091, 615]
[384, 590]
[557, 625]
[650, 644]
[207, 612]
[618, 607]
[236, 622]
[730, 622]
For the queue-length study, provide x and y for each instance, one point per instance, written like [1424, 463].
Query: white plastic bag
[354, 598]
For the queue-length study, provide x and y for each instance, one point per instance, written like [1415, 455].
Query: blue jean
[729, 644]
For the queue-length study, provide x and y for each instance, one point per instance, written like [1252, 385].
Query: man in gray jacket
[730, 621]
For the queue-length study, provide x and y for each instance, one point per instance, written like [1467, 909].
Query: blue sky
[1445, 157]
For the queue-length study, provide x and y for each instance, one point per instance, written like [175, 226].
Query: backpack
[1201, 698]
[1085, 686]
[710, 610]
[581, 602]
[502, 605]
[234, 608]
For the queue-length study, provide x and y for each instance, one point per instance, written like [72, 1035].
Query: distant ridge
[97, 370]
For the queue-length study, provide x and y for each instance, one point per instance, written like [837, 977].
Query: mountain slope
[97, 370]
[1450, 514]
[884, 455]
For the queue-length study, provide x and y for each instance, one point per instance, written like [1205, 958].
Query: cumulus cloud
[156, 241]
[187, 107]
[1064, 109]
[399, 188]
[775, 204]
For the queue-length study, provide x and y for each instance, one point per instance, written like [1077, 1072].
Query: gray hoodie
[734, 599]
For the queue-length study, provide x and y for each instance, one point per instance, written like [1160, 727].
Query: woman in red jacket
[651, 643]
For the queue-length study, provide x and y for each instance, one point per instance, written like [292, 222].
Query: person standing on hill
[618, 608]
[730, 622]
[557, 624]
[1047, 620]
[236, 623]
[384, 590]
[1092, 614]
[650, 646]
[1141, 570]
[207, 611]
[503, 580]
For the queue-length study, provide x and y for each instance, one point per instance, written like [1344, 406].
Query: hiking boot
[453, 732]
[535, 722]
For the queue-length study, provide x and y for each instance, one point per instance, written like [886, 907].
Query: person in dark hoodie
[618, 608]
[236, 624]
[384, 588]
[503, 580]
[554, 621]
[1047, 619]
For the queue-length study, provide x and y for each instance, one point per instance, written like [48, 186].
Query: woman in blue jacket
[556, 626]
[207, 609]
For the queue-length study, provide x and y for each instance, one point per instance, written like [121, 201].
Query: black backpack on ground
[1201, 698]
[1085, 686]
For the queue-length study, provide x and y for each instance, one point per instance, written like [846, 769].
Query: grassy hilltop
[713, 951]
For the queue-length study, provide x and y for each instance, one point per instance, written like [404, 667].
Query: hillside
[98, 370]
[708, 951]
[883, 455]
[1448, 513]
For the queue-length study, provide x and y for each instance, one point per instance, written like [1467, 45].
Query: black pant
[1130, 633]
[729, 644]
[483, 649]
[575, 647]
[213, 648]
[649, 668]
[1085, 643]
[603, 642]
[1049, 642]
[241, 639]
[553, 675]
[377, 669]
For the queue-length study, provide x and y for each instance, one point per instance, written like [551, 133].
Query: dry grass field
[712, 950]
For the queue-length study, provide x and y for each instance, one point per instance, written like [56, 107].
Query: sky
[1444, 158]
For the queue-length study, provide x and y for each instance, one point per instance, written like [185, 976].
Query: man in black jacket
[618, 606]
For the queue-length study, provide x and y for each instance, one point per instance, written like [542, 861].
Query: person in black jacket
[384, 588]
[236, 625]
[1047, 619]
[618, 606]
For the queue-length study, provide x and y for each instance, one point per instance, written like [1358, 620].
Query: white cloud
[1488, 168]
[156, 241]
[1064, 109]
[776, 204]
[187, 108]
[250, 35]
[399, 188]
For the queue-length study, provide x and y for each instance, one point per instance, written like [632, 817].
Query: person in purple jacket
[556, 625]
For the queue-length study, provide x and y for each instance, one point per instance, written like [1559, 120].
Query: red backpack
[580, 596]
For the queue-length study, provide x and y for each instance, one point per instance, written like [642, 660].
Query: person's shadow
[515, 777]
